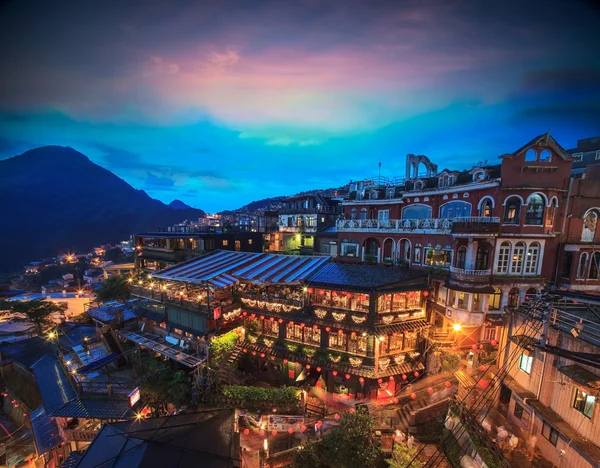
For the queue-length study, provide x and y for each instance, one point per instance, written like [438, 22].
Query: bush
[252, 396]
[222, 346]
[450, 361]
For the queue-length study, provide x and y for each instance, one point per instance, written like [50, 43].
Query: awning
[98, 364]
[223, 281]
[408, 326]
[474, 289]
[581, 375]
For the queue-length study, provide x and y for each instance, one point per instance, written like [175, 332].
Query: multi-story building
[306, 226]
[354, 330]
[587, 152]
[489, 235]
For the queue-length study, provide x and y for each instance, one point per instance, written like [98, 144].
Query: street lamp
[457, 327]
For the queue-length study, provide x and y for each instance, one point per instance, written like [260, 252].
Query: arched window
[514, 298]
[461, 257]
[373, 195]
[516, 265]
[485, 208]
[416, 212]
[531, 155]
[595, 266]
[545, 156]
[299, 221]
[590, 221]
[482, 260]
[353, 213]
[496, 299]
[583, 263]
[455, 209]
[551, 211]
[443, 181]
[530, 294]
[533, 255]
[404, 249]
[535, 210]
[503, 257]
[512, 210]
[363, 213]
[478, 176]
[567, 264]
[419, 185]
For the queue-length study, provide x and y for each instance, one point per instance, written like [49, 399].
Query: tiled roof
[95, 409]
[365, 277]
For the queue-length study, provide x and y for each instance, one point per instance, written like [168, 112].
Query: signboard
[281, 423]
[134, 397]
[217, 312]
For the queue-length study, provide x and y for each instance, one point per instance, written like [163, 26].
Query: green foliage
[114, 255]
[403, 456]
[160, 384]
[450, 361]
[279, 397]
[37, 312]
[222, 346]
[309, 456]
[451, 448]
[115, 288]
[485, 453]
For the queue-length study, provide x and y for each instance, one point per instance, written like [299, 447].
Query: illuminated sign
[134, 397]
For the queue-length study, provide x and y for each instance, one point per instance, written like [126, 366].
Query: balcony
[401, 226]
[78, 435]
[271, 304]
[463, 272]
[482, 226]
[311, 210]
[305, 229]
[464, 317]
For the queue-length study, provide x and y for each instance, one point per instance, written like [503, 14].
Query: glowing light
[139, 416]
[246, 431]
[457, 327]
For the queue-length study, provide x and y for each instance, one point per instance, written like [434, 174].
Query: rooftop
[27, 352]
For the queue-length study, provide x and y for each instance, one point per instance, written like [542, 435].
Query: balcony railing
[476, 225]
[429, 225]
[465, 272]
[297, 229]
[272, 304]
[464, 317]
[78, 435]
[312, 210]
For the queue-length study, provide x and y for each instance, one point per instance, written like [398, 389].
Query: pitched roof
[547, 139]
[54, 384]
[45, 431]
[205, 438]
[365, 277]
[95, 408]
[27, 352]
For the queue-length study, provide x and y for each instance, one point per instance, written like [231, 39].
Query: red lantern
[291, 322]
[290, 430]
[430, 390]
[310, 290]
[379, 380]
[271, 319]
[319, 423]
[395, 334]
[285, 361]
[274, 410]
[448, 384]
[274, 432]
[244, 313]
[425, 293]
[307, 366]
[246, 431]
[303, 428]
[391, 378]
[361, 380]
[334, 294]
[340, 332]
[280, 320]
[302, 325]
[253, 353]
[336, 416]
[334, 372]
[261, 432]
[262, 355]
[353, 334]
[474, 346]
[396, 400]
[494, 343]
[272, 358]
[413, 395]
[482, 368]
[352, 411]
[252, 315]
[416, 374]
[321, 292]
[404, 377]
[347, 376]
[315, 327]
[327, 329]
[262, 317]
[245, 350]
[318, 369]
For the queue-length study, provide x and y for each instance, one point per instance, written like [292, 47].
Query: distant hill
[179, 205]
[274, 203]
[54, 200]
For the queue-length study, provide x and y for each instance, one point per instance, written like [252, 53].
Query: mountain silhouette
[54, 200]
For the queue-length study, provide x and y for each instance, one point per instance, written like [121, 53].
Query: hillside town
[442, 317]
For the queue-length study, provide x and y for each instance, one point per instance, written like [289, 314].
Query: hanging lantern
[353, 334]
[302, 325]
[261, 432]
[291, 322]
[334, 372]
[310, 290]
[262, 317]
[327, 329]
[334, 294]
[271, 319]
[413, 395]
[308, 366]
[391, 378]
[425, 293]
[396, 400]
[336, 416]
[245, 350]
[274, 432]
[315, 327]
[285, 361]
[290, 430]
[262, 355]
[321, 292]
[380, 381]
[361, 380]
[482, 368]
[253, 353]
[274, 410]
[318, 369]
[246, 431]
[416, 374]
[352, 411]
[340, 332]
[448, 384]
[244, 313]
[319, 423]
[395, 334]
[272, 358]
[494, 343]
[252, 315]
[430, 390]
[303, 428]
[347, 376]
[280, 320]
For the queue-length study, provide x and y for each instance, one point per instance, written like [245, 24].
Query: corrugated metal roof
[45, 431]
[364, 277]
[53, 383]
[95, 408]
[223, 268]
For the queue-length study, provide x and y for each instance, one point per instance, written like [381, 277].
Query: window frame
[585, 403]
[516, 219]
[552, 433]
[528, 366]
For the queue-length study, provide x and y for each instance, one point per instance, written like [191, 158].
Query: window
[503, 257]
[461, 256]
[578, 156]
[535, 210]
[462, 300]
[485, 208]
[489, 333]
[550, 212]
[404, 249]
[495, 299]
[516, 265]
[357, 345]
[512, 209]
[249, 241]
[531, 155]
[530, 294]
[271, 328]
[353, 212]
[444, 181]
[514, 297]
[482, 260]
[383, 216]
[545, 156]
[363, 213]
[597, 157]
[525, 363]
[550, 433]
[225, 242]
[584, 403]
[522, 414]
[419, 185]
[417, 254]
[373, 195]
[581, 269]
[567, 264]
[337, 340]
[439, 258]
[416, 212]
[312, 336]
[590, 221]
[442, 293]
[293, 332]
[478, 176]
[533, 255]
[349, 250]
[595, 266]
[455, 209]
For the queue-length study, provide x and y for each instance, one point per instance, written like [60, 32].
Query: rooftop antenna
[379, 171]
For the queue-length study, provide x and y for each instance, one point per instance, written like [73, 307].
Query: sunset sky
[219, 103]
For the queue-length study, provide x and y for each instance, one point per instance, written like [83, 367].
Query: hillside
[273, 203]
[54, 200]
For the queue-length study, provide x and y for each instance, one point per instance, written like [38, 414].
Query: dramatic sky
[222, 102]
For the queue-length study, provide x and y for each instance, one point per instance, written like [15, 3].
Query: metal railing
[468, 272]
[283, 228]
[442, 225]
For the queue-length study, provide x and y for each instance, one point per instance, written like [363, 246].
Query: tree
[115, 288]
[37, 312]
[309, 456]
[350, 445]
[113, 255]
[403, 456]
